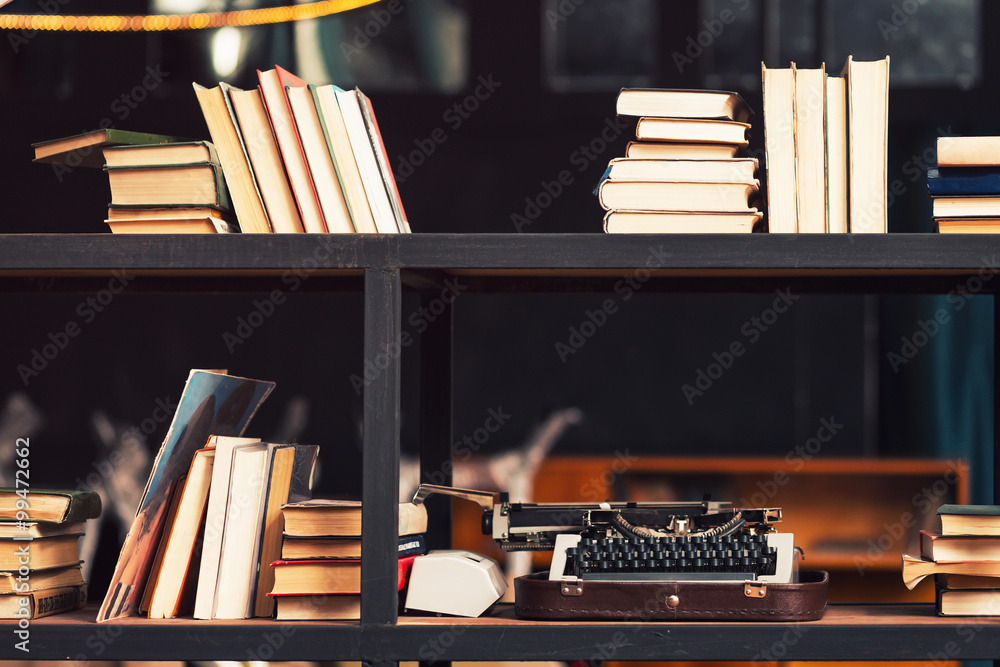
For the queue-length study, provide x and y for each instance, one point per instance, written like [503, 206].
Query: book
[85, 149]
[161, 547]
[382, 160]
[952, 548]
[171, 212]
[165, 185]
[37, 580]
[682, 171]
[323, 517]
[40, 603]
[273, 91]
[265, 159]
[967, 602]
[965, 207]
[915, 568]
[810, 149]
[364, 155]
[681, 103]
[320, 161]
[965, 581]
[969, 519]
[339, 144]
[49, 505]
[680, 222]
[42, 553]
[692, 130]
[968, 225]
[215, 520]
[32, 529]
[290, 469]
[183, 225]
[234, 592]
[779, 149]
[977, 151]
[326, 576]
[173, 586]
[652, 196]
[657, 150]
[150, 155]
[867, 143]
[318, 608]
[211, 402]
[240, 181]
[304, 548]
[836, 154]
[959, 181]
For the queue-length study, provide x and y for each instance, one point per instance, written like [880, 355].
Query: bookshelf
[382, 268]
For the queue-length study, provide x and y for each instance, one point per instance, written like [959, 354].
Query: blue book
[961, 181]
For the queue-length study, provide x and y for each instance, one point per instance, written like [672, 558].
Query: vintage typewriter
[639, 541]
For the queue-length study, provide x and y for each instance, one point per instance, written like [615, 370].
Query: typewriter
[639, 541]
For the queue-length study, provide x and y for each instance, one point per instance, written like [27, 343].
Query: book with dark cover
[50, 505]
[84, 149]
[969, 519]
[211, 403]
[327, 576]
[178, 185]
[958, 181]
[306, 548]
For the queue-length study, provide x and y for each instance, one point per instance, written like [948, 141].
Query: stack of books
[166, 188]
[686, 170]
[825, 141]
[965, 186]
[224, 528]
[160, 184]
[300, 157]
[964, 558]
[319, 573]
[40, 568]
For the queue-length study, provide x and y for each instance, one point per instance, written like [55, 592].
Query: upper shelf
[539, 262]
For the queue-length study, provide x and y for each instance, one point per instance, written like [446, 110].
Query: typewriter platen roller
[648, 541]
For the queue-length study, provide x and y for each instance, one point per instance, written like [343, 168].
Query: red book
[326, 576]
[272, 90]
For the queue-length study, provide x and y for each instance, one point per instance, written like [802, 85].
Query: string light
[172, 22]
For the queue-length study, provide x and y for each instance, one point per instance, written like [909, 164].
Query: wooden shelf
[856, 632]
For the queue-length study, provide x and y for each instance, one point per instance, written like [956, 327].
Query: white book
[234, 590]
[215, 515]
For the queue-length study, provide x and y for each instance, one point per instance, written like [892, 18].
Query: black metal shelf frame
[382, 267]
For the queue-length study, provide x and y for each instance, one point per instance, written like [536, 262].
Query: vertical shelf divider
[380, 455]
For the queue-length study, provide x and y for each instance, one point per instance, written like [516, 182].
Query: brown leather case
[537, 597]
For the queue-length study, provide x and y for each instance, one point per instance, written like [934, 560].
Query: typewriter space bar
[667, 576]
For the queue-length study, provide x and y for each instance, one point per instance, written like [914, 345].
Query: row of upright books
[41, 572]
[825, 141]
[963, 557]
[285, 157]
[965, 185]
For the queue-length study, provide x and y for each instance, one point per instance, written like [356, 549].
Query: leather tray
[537, 597]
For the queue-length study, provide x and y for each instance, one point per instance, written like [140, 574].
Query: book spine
[57, 600]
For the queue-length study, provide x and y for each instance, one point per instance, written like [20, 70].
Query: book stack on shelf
[825, 141]
[965, 185]
[166, 188]
[964, 558]
[40, 568]
[300, 157]
[319, 573]
[686, 170]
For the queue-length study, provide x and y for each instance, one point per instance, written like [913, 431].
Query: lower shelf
[847, 632]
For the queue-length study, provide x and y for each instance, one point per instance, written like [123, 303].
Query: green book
[49, 505]
[86, 149]
[969, 519]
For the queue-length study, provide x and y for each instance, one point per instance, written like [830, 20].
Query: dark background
[825, 358]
